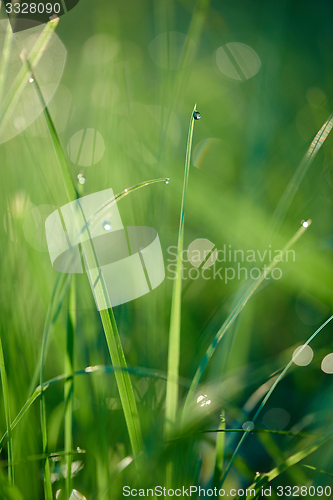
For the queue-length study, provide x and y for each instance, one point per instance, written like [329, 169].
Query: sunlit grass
[167, 410]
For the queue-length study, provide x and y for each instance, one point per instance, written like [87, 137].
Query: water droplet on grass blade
[167, 181]
[81, 179]
[196, 115]
[31, 80]
[106, 224]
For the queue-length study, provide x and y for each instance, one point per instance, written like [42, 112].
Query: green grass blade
[219, 451]
[235, 313]
[5, 394]
[269, 393]
[22, 412]
[49, 323]
[261, 431]
[286, 464]
[4, 63]
[47, 470]
[9, 102]
[93, 222]
[318, 470]
[69, 384]
[141, 372]
[175, 317]
[57, 298]
[297, 178]
[109, 324]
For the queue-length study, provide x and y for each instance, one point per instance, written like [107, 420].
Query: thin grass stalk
[57, 298]
[219, 451]
[49, 322]
[5, 394]
[8, 103]
[62, 281]
[141, 372]
[294, 459]
[175, 317]
[298, 176]
[5, 59]
[235, 313]
[47, 470]
[109, 324]
[69, 384]
[268, 395]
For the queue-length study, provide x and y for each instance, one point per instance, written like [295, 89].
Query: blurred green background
[261, 74]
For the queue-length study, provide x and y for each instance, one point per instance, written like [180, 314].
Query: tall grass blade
[69, 384]
[5, 394]
[49, 323]
[297, 178]
[89, 370]
[175, 317]
[219, 451]
[9, 102]
[236, 311]
[109, 324]
[289, 462]
[4, 63]
[269, 393]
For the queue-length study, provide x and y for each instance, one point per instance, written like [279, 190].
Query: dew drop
[125, 190]
[305, 223]
[196, 115]
[167, 182]
[31, 80]
[106, 224]
[81, 179]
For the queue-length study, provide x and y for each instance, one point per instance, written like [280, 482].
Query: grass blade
[69, 384]
[302, 169]
[289, 462]
[235, 313]
[109, 324]
[143, 372]
[269, 393]
[5, 393]
[219, 450]
[21, 79]
[175, 317]
[5, 59]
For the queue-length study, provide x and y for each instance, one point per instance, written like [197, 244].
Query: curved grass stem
[109, 324]
[268, 395]
[5, 392]
[235, 313]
